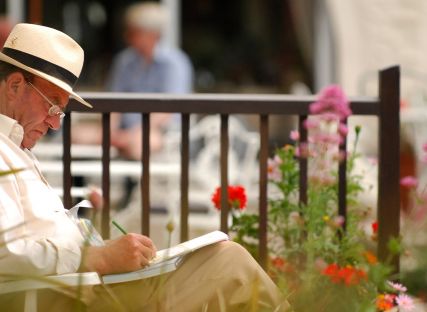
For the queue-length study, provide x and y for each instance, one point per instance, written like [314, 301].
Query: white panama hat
[46, 53]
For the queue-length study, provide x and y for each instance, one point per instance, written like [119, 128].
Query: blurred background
[267, 46]
[235, 46]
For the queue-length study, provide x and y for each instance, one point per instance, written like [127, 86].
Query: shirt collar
[12, 129]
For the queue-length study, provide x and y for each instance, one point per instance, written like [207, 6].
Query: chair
[31, 285]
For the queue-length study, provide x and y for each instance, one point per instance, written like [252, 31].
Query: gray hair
[6, 69]
[151, 16]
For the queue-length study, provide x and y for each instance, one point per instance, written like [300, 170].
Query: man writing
[38, 68]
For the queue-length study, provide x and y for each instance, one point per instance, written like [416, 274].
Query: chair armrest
[51, 281]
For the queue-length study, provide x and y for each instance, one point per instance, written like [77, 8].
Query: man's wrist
[93, 260]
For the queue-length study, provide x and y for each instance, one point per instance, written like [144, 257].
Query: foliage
[321, 260]
[414, 225]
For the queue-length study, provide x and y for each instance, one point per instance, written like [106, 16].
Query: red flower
[236, 197]
[374, 227]
[278, 263]
[347, 275]
[332, 271]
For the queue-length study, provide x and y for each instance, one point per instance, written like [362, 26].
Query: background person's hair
[150, 16]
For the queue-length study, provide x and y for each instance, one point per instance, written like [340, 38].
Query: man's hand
[129, 252]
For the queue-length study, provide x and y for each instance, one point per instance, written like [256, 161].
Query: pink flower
[317, 107]
[326, 138]
[277, 160]
[329, 117]
[409, 182]
[334, 139]
[302, 150]
[396, 286]
[294, 135]
[273, 168]
[425, 147]
[373, 161]
[339, 221]
[332, 100]
[404, 302]
[342, 129]
[311, 123]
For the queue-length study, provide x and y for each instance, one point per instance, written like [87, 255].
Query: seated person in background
[146, 65]
[38, 67]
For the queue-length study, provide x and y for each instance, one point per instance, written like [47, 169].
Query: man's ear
[14, 84]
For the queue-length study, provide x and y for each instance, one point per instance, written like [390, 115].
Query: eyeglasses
[54, 109]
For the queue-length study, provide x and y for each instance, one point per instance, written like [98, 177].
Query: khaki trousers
[220, 277]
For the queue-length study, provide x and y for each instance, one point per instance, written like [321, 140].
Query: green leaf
[11, 171]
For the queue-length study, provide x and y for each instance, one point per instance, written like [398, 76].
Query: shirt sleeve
[179, 78]
[36, 235]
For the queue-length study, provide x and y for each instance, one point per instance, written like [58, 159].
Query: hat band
[41, 65]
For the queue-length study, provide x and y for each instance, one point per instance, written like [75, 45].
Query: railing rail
[385, 107]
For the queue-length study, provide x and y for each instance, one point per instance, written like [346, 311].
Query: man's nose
[54, 122]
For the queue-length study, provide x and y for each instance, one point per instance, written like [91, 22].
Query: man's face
[31, 110]
[143, 41]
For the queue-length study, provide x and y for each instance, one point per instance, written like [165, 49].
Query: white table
[87, 163]
[118, 168]
[51, 150]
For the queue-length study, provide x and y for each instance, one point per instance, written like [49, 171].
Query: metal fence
[385, 107]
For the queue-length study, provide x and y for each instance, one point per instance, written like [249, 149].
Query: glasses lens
[54, 110]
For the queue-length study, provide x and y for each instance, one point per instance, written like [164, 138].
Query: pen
[119, 227]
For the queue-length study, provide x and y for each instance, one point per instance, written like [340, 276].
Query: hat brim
[57, 82]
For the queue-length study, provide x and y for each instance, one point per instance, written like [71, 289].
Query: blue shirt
[170, 72]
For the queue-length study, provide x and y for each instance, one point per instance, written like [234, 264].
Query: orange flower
[384, 302]
[370, 257]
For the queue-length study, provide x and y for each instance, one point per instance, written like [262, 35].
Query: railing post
[66, 160]
[185, 157]
[106, 139]
[224, 173]
[389, 160]
[145, 183]
[342, 182]
[263, 201]
[303, 165]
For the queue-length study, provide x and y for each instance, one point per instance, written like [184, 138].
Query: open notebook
[167, 260]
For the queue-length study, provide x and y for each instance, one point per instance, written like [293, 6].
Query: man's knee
[233, 249]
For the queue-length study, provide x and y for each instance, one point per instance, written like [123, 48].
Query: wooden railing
[385, 107]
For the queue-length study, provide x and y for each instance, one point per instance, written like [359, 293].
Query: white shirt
[36, 235]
